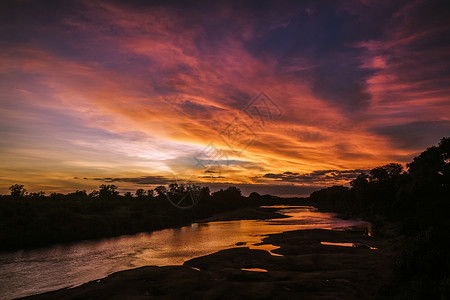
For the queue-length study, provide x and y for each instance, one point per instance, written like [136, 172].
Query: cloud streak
[132, 90]
[317, 177]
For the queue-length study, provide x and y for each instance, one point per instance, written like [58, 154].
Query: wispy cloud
[317, 176]
[136, 90]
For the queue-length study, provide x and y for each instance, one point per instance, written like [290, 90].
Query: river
[30, 272]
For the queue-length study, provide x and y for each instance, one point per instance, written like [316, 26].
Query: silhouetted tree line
[35, 219]
[417, 202]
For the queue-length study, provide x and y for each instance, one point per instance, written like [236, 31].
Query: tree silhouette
[108, 191]
[360, 181]
[386, 173]
[94, 194]
[416, 203]
[38, 195]
[432, 167]
[17, 190]
[160, 190]
[151, 193]
[140, 193]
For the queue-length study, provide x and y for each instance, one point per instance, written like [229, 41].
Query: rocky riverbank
[303, 267]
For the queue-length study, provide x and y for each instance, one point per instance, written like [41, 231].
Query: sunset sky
[280, 97]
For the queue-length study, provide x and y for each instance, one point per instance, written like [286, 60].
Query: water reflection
[29, 272]
[354, 245]
[267, 247]
[255, 270]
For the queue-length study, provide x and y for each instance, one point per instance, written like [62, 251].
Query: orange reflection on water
[348, 245]
[29, 272]
[255, 270]
[268, 247]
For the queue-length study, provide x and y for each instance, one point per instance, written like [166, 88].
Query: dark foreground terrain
[301, 268]
[408, 210]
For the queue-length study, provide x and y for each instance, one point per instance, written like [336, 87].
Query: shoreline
[246, 213]
[301, 266]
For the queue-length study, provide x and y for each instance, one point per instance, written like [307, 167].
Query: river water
[30, 272]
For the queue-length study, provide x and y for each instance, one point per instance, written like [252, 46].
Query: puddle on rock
[355, 245]
[255, 270]
[268, 247]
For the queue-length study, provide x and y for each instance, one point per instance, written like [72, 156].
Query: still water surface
[30, 272]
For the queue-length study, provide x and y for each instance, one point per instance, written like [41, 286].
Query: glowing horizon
[134, 94]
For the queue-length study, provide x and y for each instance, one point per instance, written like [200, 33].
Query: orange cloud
[133, 92]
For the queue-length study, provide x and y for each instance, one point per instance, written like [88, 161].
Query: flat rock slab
[307, 270]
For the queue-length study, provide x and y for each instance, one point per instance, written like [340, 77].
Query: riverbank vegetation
[416, 202]
[412, 204]
[29, 220]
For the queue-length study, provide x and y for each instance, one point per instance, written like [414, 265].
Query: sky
[279, 97]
